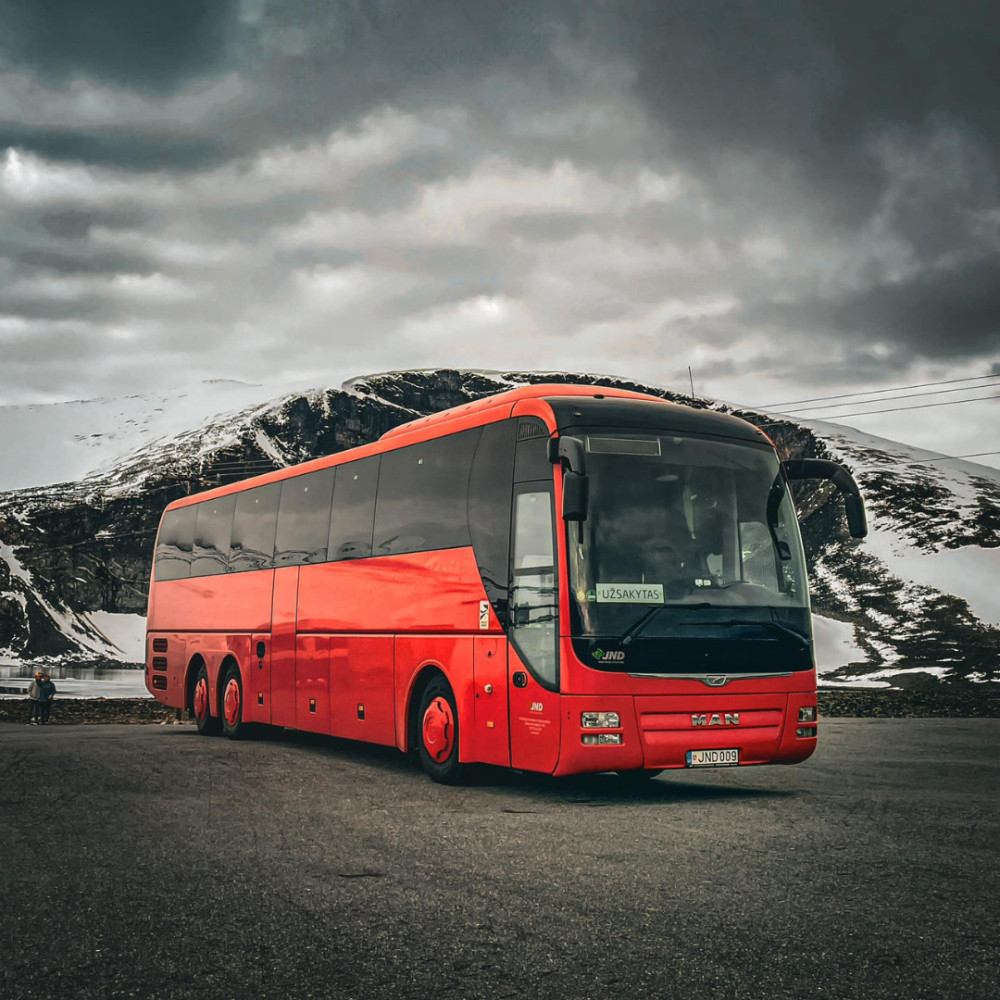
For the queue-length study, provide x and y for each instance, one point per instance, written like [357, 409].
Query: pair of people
[41, 691]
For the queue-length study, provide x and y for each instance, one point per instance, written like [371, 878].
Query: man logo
[715, 719]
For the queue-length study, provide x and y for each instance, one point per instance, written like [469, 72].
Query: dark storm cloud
[811, 83]
[367, 167]
[951, 313]
[146, 45]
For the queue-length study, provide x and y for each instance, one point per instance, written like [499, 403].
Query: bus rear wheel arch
[435, 732]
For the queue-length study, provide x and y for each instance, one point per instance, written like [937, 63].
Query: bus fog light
[600, 720]
[601, 739]
[805, 732]
[807, 714]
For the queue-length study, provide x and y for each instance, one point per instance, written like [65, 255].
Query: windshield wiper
[647, 616]
[776, 626]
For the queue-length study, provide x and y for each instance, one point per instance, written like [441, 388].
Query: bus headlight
[601, 739]
[807, 714]
[600, 720]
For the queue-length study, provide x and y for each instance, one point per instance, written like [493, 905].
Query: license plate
[713, 758]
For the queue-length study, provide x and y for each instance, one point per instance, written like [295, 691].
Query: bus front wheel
[232, 704]
[437, 733]
[208, 725]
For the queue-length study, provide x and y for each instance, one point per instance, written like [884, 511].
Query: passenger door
[533, 666]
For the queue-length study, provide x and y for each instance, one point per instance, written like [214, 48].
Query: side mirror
[574, 497]
[857, 522]
[821, 468]
[571, 454]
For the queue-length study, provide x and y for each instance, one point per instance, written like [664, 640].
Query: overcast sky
[795, 199]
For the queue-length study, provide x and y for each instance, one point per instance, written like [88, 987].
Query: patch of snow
[971, 572]
[127, 633]
[834, 645]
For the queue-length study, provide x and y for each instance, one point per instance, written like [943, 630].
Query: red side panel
[534, 721]
[361, 688]
[236, 602]
[423, 591]
[257, 680]
[283, 647]
[312, 683]
[492, 735]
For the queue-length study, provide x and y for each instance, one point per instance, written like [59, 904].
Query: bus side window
[173, 547]
[353, 513]
[423, 494]
[252, 544]
[213, 530]
[303, 519]
[489, 510]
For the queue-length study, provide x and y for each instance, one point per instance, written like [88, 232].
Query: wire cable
[872, 392]
[885, 399]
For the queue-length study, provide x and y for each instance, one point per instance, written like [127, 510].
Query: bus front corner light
[806, 733]
[600, 720]
[807, 714]
[601, 739]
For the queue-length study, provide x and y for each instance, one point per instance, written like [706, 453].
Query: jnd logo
[536, 706]
[609, 656]
[728, 719]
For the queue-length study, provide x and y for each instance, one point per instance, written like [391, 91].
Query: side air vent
[160, 682]
[159, 645]
[159, 663]
[527, 429]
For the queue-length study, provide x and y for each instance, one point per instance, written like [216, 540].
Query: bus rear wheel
[232, 704]
[201, 709]
[437, 733]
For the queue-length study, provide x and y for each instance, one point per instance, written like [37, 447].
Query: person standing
[46, 692]
[34, 690]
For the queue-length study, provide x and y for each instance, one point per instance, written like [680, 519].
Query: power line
[873, 392]
[910, 395]
[895, 409]
[891, 409]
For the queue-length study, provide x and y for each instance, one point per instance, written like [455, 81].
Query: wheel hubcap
[439, 730]
[201, 700]
[232, 702]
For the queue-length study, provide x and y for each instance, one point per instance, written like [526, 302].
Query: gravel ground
[927, 702]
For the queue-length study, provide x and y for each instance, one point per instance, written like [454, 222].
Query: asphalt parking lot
[146, 861]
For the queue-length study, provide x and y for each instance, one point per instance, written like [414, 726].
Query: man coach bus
[560, 579]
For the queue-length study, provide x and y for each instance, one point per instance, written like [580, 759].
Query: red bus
[558, 579]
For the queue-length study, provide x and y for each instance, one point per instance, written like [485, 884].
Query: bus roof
[543, 390]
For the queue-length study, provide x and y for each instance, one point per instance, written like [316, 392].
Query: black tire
[231, 705]
[640, 777]
[437, 733]
[201, 705]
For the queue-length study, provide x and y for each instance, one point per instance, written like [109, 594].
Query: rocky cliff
[74, 548]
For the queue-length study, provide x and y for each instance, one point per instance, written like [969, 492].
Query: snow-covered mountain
[85, 488]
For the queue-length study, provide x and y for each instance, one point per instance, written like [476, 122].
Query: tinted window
[423, 495]
[213, 528]
[173, 548]
[532, 452]
[252, 544]
[489, 510]
[353, 509]
[304, 519]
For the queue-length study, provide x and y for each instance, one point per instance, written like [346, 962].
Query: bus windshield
[702, 526]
